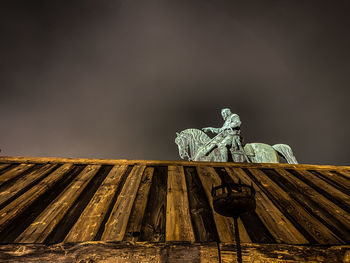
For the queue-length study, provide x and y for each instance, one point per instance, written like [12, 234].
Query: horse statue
[191, 141]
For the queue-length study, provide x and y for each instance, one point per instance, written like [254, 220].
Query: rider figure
[228, 136]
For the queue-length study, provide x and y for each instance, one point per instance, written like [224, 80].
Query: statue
[227, 145]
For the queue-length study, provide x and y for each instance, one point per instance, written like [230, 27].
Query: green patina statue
[227, 145]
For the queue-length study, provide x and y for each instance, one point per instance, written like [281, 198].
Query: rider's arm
[213, 130]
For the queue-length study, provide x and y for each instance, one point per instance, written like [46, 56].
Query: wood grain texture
[102, 252]
[15, 171]
[339, 196]
[18, 159]
[337, 180]
[224, 225]
[25, 181]
[329, 212]
[42, 226]
[317, 230]
[278, 225]
[281, 253]
[345, 172]
[117, 222]
[88, 224]
[133, 229]
[17, 206]
[4, 165]
[178, 218]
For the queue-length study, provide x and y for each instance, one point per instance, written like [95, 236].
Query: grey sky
[117, 79]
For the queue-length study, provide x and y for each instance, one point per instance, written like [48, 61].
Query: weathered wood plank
[17, 206]
[88, 224]
[281, 253]
[178, 218]
[42, 226]
[110, 253]
[118, 220]
[278, 225]
[17, 159]
[4, 165]
[344, 172]
[133, 229]
[224, 225]
[12, 173]
[329, 212]
[318, 231]
[339, 181]
[25, 181]
[328, 190]
[172, 253]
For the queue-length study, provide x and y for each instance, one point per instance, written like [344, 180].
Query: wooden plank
[278, 225]
[16, 159]
[12, 173]
[117, 222]
[88, 224]
[337, 180]
[133, 229]
[42, 226]
[224, 225]
[282, 253]
[17, 206]
[344, 172]
[153, 223]
[339, 196]
[4, 165]
[317, 230]
[110, 252]
[25, 181]
[335, 214]
[178, 218]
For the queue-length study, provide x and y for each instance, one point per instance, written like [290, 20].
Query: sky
[118, 79]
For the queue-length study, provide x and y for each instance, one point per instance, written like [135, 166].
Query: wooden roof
[53, 200]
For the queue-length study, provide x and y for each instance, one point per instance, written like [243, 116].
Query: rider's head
[225, 113]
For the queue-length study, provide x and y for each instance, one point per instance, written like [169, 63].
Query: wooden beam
[16, 159]
[15, 171]
[178, 218]
[316, 229]
[88, 224]
[224, 225]
[25, 181]
[17, 206]
[43, 225]
[133, 229]
[278, 225]
[116, 225]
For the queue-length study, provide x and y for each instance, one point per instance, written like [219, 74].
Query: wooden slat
[343, 183]
[86, 227]
[17, 206]
[317, 230]
[12, 173]
[4, 165]
[344, 172]
[116, 225]
[224, 225]
[333, 212]
[42, 226]
[278, 225]
[178, 218]
[133, 229]
[24, 181]
[335, 193]
[17, 159]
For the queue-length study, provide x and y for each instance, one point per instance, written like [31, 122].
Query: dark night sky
[117, 79]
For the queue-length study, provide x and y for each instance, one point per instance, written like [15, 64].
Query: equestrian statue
[227, 145]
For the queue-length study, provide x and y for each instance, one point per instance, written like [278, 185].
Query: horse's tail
[286, 152]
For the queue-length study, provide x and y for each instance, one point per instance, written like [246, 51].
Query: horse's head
[182, 144]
